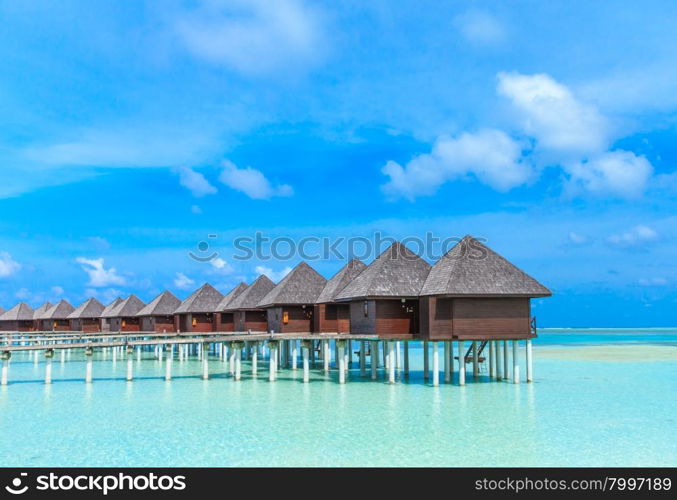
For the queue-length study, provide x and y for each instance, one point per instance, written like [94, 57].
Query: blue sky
[129, 131]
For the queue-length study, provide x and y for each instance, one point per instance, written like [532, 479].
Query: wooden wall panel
[359, 323]
[397, 320]
[256, 321]
[491, 318]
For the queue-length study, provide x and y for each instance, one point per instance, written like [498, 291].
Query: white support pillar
[506, 354]
[374, 359]
[475, 359]
[294, 354]
[515, 363]
[63, 356]
[499, 361]
[272, 346]
[238, 361]
[398, 355]
[205, 364]
[392, 362]
[461, 364]
[115, 355]
[363, 358]
[492, 359]
[436, 364]
[426, 373]
[406, 358]
[138, 354]
[255, 358]
[130, 365]
[48, 366]
[341, 360]
[5, 368]
[168, 365]
[530, 367]
[305, 347]
[231, 360]
[226, 352]
[346, 358]
[447, 362]
[326, 355]
[88, 369]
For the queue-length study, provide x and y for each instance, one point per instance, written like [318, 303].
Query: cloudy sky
[132, 131]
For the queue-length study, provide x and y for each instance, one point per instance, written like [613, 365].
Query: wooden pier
[281, 350]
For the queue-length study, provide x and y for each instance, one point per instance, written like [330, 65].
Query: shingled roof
[127, 308]
[90, 308]
[232, 295]
[20, 312]
[40, 311]
[250, 298]
[301, 286]
[203, 300]
[339, 281]
[472, 268]
[163, 305]
[58, 311]
[397, 272]
[106, 313]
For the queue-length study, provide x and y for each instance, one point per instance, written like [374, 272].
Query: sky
[138, 138]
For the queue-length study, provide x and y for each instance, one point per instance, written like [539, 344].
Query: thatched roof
[339, 281]
[301, 286]
[128, 307]
[20, 312]
[40, 311]
[58, 311]
[232, 295]
[90, 308]
[472, 268]
[397, 272]
[205, 299]
[106, 313]
[163, 305]
[250, 298]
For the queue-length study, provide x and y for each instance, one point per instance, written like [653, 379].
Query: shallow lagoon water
[582, 410]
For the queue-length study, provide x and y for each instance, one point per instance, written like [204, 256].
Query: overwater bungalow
[158, 315]
[18, 319]
[472, 293]
[38, 312]
[383, 298]
[290, 304]
[247, 314]
[331, 316]
[198, 312]
[123, 318]
[86, 317]
[225, 320]
[106, 314]
[56, 317]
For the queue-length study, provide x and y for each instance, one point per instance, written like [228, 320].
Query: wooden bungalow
[55, 319]
[198, 312]
[331, 316]
[225, 320]
[158, 315]
[290, 304]
[123, 317]
[18, 319]
[106, 314]
[38, 312]
[383, 298]
[247, 314]
[472, 293]
[86, 317]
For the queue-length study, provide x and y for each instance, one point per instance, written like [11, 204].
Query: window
[366, 308]
[285, 317]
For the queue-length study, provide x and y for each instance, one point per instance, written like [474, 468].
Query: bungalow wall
[475, 318]
[197, 322]
[54, 325]
[388, 318]
[125, 324]
[256, 321]
[157, 324]
[226, 322]
[17, 326]
[85, 325]
[331, 318]
[290, 319]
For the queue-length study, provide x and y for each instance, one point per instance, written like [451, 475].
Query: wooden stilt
[392, 363]
[363, 360]
[530, 368]
[425, 360]
[341, 361]
[373, 361]
[205, 362]
[306, 361]
[49, 354]
[515, 363]
[255, 358]
[406, 358]
[461, 364]
[475, 359]
[506, 355]
[447, 362]
[6, 355]
[436, 364]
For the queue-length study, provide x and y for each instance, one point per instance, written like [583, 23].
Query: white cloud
[106, 296]
[99, 276]
[183, 282]
[633, 237]
[276, 276]
[616, 173]
[253, 37]
[578, 239]
[23, 294]
[489, 155]
[221, 265]
[57, 290]
[251, 182]
[549, 112]
[196, 209]
[8, 266]
[195, 182]
[479, 27]
[653, 282]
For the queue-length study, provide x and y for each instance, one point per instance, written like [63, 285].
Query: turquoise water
[576, 413]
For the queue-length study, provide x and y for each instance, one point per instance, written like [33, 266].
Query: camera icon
[202, 254]
[15, 488]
